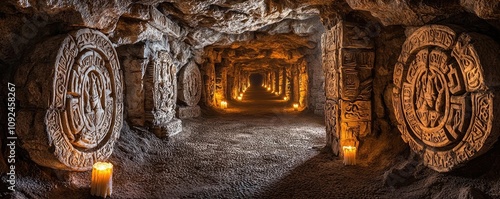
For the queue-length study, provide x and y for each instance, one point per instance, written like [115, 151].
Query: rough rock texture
[231, 40]
[188, 111]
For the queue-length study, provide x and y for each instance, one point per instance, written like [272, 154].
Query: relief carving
[84, 110]
[356, 111]
[190, 85]
[443, 106]
[161, 90]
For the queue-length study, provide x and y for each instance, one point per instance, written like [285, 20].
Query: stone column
[219, 84]
[160, 86]
[70, 93]
[288, 85]
[303, 83]
[348, 60]
[282, 81]
[209, 83]
[295, 84]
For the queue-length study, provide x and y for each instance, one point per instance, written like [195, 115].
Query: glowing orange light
[223, 104]
[295, 107]
[102, 179]
[349, 155]
[239, 98]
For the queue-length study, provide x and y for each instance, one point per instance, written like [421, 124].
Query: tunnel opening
[256, 79]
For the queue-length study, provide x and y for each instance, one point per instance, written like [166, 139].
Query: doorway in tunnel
[256, 79]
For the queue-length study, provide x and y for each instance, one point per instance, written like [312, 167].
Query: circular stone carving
[441, 99]
[190, 85]
[85, 108]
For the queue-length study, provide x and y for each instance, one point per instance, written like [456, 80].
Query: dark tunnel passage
[256, 79]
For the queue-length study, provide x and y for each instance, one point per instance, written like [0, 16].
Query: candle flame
[103, 166]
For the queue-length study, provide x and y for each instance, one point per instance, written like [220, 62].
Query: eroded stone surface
[190, 85]
[188, 111]
[443, 98]
[82, 97]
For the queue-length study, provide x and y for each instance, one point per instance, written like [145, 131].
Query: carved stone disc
[441, 99]
[85, 108]
[190, 85]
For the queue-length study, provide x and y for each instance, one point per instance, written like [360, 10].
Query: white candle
[349, 155]
[102, 179]
[295, 107]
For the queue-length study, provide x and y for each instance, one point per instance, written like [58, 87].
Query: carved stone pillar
[189, 92]
[276, 81]
[281, 83]
[209, 86]
[295, 84]
[71, 99]
[303, 83]
[446, 95]
[160, 85]
[348, 61]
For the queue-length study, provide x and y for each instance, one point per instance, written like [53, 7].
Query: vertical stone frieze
[160, 85]
[443, 103]
[348, 61]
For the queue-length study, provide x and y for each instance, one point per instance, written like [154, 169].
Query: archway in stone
[256, 79]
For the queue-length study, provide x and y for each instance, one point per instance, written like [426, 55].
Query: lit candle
[223, 104]
[349, 155]
[268, 88]
[276, 93]
[241, 94]
[285, 98]
[102, 179]
[295, 107]
[239, 98]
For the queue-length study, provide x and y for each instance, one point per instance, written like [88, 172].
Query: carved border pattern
[87, 94]
[443, 107]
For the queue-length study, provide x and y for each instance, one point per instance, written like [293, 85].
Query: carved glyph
[161, 90]
[190, 85]
[348, 62]
[443, 105]
[84, 110]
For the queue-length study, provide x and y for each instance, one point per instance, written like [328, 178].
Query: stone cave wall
[165, 45]
[141, 71]
[392, 42]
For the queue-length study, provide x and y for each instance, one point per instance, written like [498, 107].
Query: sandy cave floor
[255, 149]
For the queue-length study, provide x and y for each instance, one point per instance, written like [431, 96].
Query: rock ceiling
[251, 33]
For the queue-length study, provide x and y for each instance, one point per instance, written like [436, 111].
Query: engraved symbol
[443, 113]
[430, 99]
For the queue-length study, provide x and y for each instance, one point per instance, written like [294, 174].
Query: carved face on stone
[441, 100]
